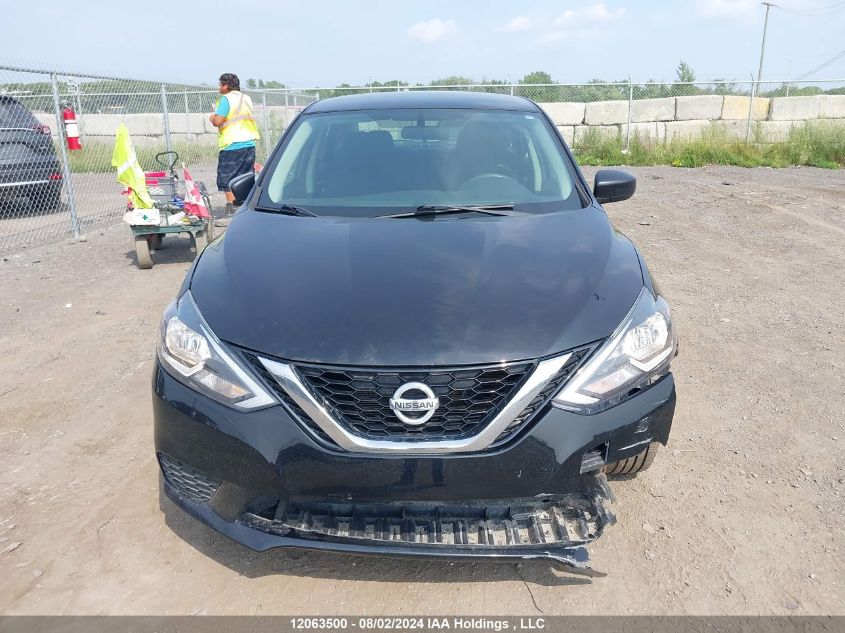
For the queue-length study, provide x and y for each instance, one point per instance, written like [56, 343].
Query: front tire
[157, 241]
[142, 252]
[633, 465]
[201, 241]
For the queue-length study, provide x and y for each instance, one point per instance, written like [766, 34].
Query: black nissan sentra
[419, 336]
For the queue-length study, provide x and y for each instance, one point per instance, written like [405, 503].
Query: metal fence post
[511, 89]
[750, 109]
[628, 129]
[266, 127]
[71, 196]
[187, 114]
[168, 143]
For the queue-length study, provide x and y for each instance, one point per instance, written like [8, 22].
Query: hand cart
[168, 194]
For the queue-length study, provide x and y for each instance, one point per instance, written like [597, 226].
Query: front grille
[189, 481]
[358, 398]
[293, 408]
[541, 399]
[469, 398]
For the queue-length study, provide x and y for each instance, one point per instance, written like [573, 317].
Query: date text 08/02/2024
[410, 623]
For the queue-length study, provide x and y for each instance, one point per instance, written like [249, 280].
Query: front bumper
[263, 481]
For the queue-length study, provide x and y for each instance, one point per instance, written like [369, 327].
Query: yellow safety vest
[239, 125]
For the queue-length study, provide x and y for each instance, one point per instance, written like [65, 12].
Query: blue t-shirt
[223, 110]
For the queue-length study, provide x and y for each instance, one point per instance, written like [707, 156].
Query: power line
[819, 67]
[815, 11]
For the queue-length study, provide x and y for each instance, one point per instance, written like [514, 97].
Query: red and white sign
[194, 204]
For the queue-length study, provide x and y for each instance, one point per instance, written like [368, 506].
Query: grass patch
[820, 144]
[95, 156]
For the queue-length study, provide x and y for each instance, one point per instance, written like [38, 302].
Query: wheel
[633, 465]
[142, 252]
[157, 241]
[201, 241]
[45, 198]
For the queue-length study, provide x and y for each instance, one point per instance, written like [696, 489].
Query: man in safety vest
[237, 133]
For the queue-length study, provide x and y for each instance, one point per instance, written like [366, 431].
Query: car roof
[423, 99]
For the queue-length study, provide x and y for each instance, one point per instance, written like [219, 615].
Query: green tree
[492, 85]
[542, 94]
[250, 83]
[720, 87]
[599, 90]
[537, 77]
[685, 75]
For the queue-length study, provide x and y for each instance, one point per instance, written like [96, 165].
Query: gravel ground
[742, 514]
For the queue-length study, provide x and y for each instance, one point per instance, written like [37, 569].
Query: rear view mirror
[613, 185]
[425, 133]
[242, 185]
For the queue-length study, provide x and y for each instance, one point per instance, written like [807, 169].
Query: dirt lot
[743, 514]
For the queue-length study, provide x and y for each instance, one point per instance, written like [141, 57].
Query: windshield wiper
[287, 209]
[443, 209]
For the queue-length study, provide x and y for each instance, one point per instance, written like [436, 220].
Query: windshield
[373, 162]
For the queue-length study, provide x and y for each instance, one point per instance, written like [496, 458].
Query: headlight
[190, 349]
[637, 355]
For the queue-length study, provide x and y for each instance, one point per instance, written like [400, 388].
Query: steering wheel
[487, 176]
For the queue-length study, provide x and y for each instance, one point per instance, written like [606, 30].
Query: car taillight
[43, 129]
[55, 176]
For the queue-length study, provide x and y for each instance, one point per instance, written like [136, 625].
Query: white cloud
[519, 23]
[576, 25]
[725, 8]
[430, 31]
[590, 14]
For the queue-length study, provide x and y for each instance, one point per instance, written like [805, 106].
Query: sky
[321, 43]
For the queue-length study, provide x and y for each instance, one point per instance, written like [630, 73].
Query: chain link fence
[613, 90]
[48, 191]
[659, 111]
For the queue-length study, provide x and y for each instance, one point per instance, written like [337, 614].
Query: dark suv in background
[420, 335]
[28, 163]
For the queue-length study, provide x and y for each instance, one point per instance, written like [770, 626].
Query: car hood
[408, 292]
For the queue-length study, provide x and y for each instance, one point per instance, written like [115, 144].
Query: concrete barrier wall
[147, 128]
[690, 117]
[651, 119]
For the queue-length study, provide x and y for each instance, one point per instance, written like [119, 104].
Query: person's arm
[218, 117]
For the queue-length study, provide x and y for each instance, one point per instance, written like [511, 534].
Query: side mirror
[613, 185]
[242, 185]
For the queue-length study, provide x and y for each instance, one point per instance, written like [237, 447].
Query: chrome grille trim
[290, 380]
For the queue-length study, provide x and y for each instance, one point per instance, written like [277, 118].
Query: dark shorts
[234, 162]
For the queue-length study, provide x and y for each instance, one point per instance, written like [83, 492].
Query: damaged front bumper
[261, 480]
[555, 529]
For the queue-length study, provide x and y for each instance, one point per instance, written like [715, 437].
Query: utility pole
[768, 6]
